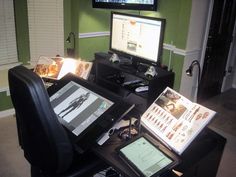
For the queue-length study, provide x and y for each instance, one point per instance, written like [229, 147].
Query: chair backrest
[42, 137]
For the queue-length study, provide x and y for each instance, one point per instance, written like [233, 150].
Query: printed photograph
[169, 102]
[48, 66]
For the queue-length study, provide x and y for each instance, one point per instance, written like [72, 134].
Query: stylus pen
[130, 124]
[139, 125]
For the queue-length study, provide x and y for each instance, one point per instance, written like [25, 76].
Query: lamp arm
[196, 62]
[199, 72]
[73, 34]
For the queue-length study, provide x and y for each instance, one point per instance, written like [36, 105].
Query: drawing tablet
[147, 157]
[85, 109]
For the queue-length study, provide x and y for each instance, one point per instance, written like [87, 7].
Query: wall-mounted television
[139, 38]
[150, 5]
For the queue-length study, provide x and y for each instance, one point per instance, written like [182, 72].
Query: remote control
[141, 89]
[132, 82]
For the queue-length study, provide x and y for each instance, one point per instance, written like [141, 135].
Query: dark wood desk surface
[200, 159]
[204, 152]
[108, 153]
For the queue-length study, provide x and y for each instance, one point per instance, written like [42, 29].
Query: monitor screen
[126, 4]
[137, 37]
[78, 107]
[146, 157]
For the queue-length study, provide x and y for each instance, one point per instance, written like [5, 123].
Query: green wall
[93, 20]
[22, 32]
[5, 101]
[80, 17]
[176, 13]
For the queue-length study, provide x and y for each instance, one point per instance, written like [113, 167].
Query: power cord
[112, 173]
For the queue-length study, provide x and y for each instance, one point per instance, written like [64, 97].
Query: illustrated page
[175, 119]
[57, 67]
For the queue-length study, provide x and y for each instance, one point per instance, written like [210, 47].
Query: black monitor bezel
[167, 152]
[136, 59]
[127, 6]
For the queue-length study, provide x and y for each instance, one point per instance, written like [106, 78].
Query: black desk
[111, 76]
[200, 159]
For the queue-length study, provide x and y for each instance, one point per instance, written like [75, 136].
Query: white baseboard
[6, 113]
[8, 66]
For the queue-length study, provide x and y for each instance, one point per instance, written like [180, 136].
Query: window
[46, 29]
[8, 50]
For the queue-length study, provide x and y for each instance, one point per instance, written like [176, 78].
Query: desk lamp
[189, 71]
[71, 51]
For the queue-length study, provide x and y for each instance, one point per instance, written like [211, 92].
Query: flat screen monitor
[126, 4]
[137, 37]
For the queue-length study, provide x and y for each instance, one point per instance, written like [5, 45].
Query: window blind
[46, 29]
[8, 50]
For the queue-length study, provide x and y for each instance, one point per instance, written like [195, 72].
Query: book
[57, 67]
[175, 120]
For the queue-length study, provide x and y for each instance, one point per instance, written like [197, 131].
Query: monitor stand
[129, 67]
[132, 65]
[127, 64]
[142, 67]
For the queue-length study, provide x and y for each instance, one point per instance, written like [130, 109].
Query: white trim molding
[94, 34]
[178, 51]
[6, 113]
[165, 46]
[10, 65]
[169, 47]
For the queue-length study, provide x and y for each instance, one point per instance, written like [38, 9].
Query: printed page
[57, 67]
[78, 67]
[83, 69]
[48, 67]
[175, 119]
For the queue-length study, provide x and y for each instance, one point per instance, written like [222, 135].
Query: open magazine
[176, 120]
[57, 67]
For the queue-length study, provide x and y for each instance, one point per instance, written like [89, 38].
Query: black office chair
[44, 141]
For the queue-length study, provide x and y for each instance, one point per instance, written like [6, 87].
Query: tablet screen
[145, 157]
[78, 107]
